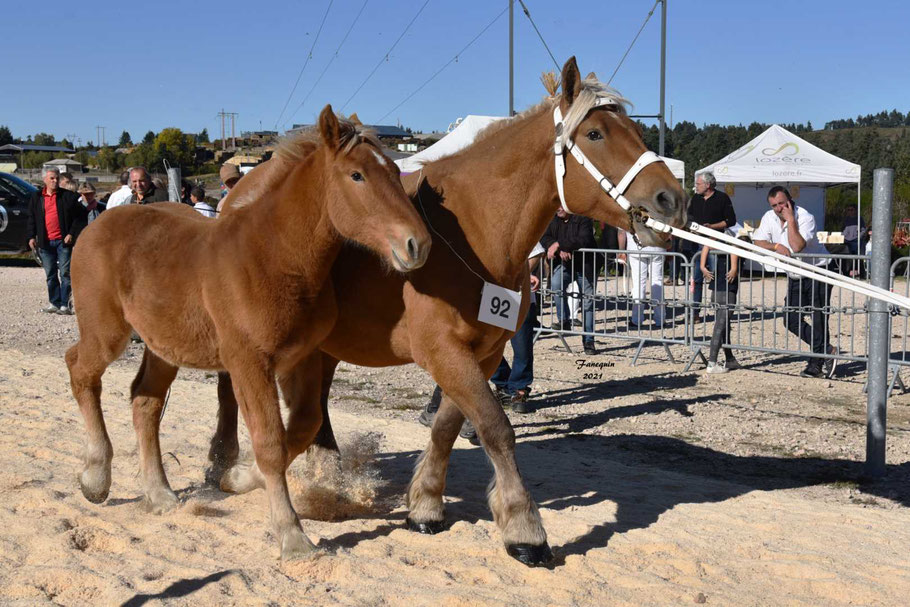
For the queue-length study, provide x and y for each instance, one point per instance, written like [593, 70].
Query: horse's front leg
[467, 393]
[254, 387]
[224, 449]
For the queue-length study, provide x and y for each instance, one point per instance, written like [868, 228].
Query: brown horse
[490, 204]
[248, 293]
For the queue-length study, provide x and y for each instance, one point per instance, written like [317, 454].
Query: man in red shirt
[55, 218]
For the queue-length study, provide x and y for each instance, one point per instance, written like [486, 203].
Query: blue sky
[140, 66]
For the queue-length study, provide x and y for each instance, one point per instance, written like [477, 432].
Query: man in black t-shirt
[712, 209]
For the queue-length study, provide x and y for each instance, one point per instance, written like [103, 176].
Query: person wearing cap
[144, 191]
[93, 207]
[230, 175]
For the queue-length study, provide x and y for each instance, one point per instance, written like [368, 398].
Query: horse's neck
[291, 229]
[503, 192]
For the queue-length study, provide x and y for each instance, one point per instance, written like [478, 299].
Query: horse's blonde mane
[296, 148]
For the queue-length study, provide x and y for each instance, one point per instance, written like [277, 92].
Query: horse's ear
[329, 128]
[355, 119]
[571, 81]
[591, 76]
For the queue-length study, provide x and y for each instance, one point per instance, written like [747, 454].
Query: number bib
[499, 306]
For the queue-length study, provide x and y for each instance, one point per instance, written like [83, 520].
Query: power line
[528, 14]
[315, 84]
[386, 55]
[633, 41]
[447, 64]
[308, 57]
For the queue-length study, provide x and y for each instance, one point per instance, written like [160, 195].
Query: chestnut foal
[248, 293]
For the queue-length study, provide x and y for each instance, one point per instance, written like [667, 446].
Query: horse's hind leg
[98, 346]
[224, 448]
[148, 393]
[325, 445]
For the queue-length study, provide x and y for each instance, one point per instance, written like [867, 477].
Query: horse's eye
[356, 176]
[594, 135]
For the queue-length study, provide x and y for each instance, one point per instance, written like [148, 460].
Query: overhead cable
[447, 64]
[385, 57]
[334, 56]
[634, 40]
[308, 57]
[539, 35]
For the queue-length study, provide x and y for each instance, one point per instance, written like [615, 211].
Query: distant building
[244, 162]
[63, 165]
[382, 131]
[18, 148]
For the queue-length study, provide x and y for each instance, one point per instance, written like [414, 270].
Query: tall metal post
[663, 73]
[511, 59]
[879, 330]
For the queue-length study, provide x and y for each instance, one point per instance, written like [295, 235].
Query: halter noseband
[613, 191]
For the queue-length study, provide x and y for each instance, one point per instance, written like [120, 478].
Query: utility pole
[223, 144]
[99, 131]
[511, 60]
[233, 138]
[663, 73]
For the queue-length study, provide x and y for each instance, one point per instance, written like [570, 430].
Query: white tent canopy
[464, 134]
[461, 137]
[779, 156]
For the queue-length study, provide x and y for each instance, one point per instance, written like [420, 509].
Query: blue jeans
[520, 375]
[562, 277]
[57, 257]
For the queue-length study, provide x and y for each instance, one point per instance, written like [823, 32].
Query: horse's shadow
[643, 475]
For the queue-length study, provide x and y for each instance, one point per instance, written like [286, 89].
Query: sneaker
[50, 309]
[590, 350]
[813, 369]
[520, 402]
[576, 322]
[714, 368]
[830, 364]
[468, 432]
[731, 364]
[65, 310]
[502, 396]
[561, 325]
[426, 417]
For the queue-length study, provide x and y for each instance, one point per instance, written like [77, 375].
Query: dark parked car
[14, 196]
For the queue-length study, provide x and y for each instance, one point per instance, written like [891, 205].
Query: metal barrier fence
[652, 297]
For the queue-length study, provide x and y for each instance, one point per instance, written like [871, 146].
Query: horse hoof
[427, 527]
[160, 501]
[95, 487]
[241, 479]
[530, 554]
[295, 545]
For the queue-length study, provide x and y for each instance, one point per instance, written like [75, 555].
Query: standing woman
[724, 284]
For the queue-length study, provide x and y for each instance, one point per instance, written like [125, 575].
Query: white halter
[615, 192]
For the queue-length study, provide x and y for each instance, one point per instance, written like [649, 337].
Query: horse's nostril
[412, 248]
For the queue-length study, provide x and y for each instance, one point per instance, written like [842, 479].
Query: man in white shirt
[789, 229]
[123, 194]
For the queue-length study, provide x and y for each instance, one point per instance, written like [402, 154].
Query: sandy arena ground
[656, 488]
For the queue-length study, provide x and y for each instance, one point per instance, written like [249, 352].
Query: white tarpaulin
[464, 134]
[778, 157]
[461, 137]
